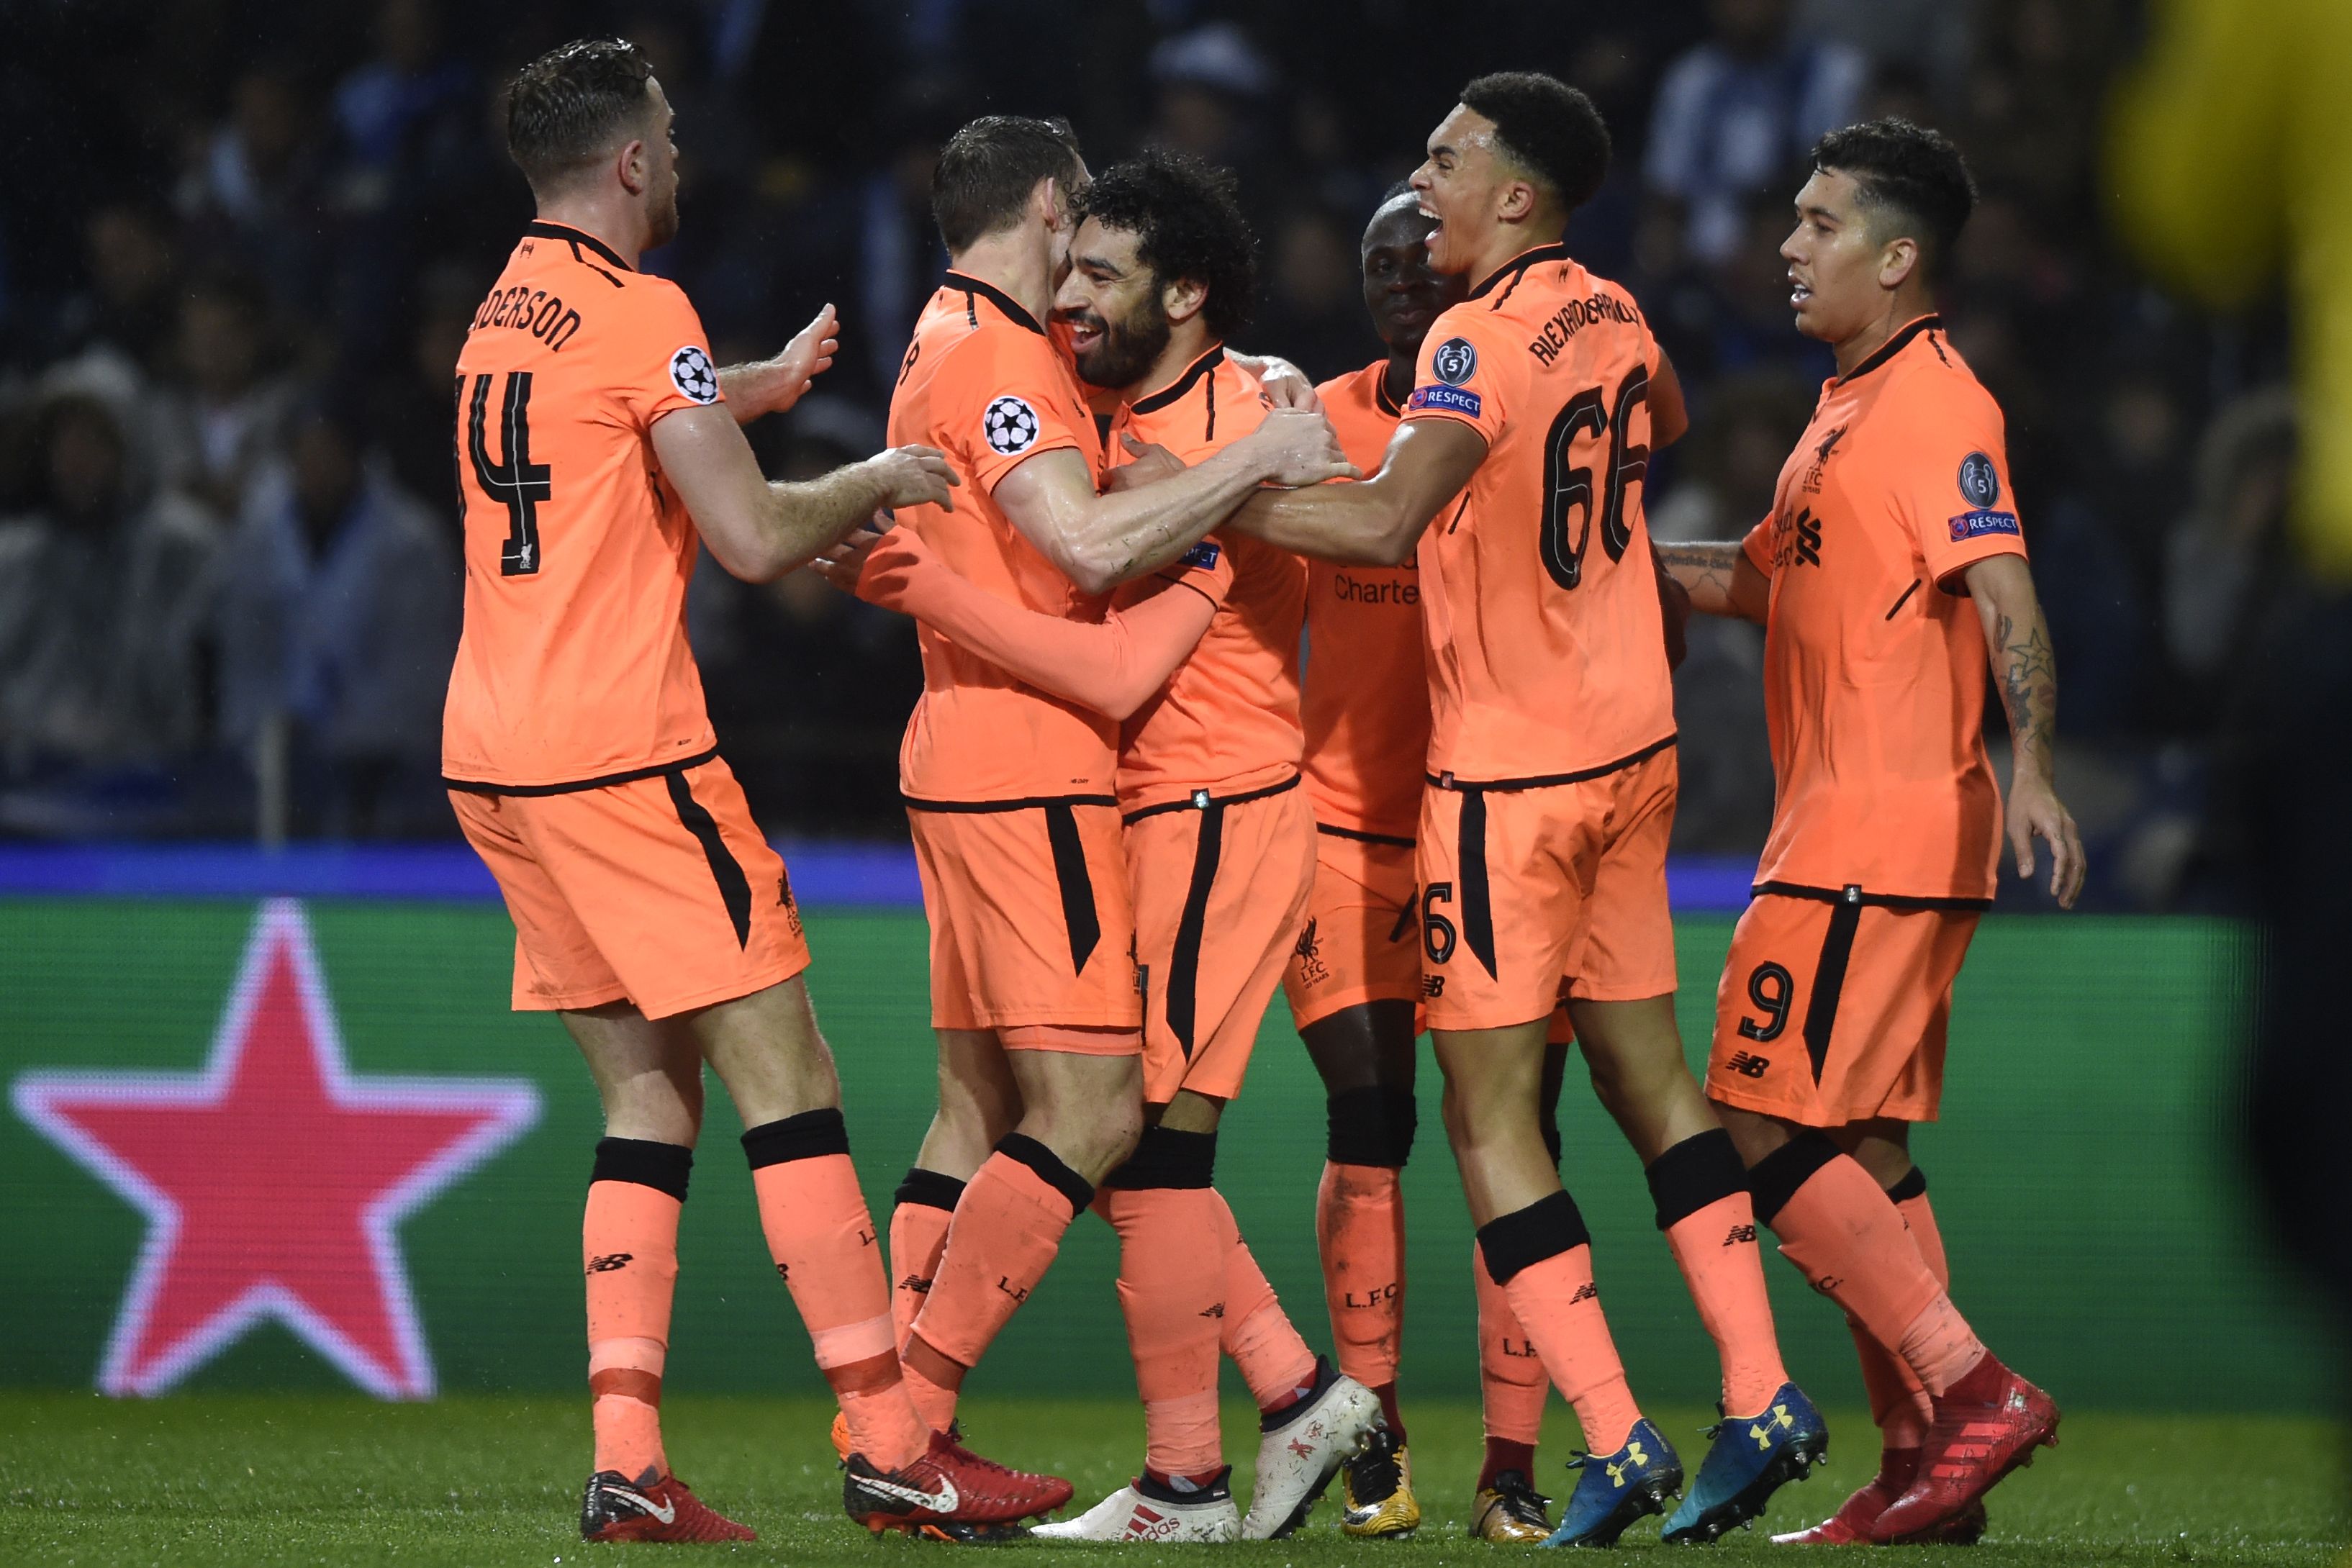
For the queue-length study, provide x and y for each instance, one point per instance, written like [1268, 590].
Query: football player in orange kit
[598, 452]
[1218, 840]
[1892, 567]
[1551, 784]
[1354, 981]
[1010, 790]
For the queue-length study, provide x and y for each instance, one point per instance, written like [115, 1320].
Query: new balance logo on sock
[1217, 1311]
[610, 1262]
[782, 1273]
[1741, 1233]
[1018, 1293]
[1748, 1064]
[1585, 1292]
[916, 1283]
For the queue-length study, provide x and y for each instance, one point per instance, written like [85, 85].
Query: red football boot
[1985, 1425]
[616, 1508]
[1851, 1524]
[949, 1493]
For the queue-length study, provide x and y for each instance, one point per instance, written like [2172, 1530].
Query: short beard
[661, 222]
[1129, 348]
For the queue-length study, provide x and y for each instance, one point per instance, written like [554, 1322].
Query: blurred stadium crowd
[229, 552]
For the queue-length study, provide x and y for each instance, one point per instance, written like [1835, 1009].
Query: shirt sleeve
[1758, 546]
[666, 362]
[1463, 362]
[998, 401]
[1207, 568]
[1949, 480]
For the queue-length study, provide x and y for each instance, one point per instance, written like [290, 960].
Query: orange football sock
[1542, 1257]
[1005, 1236]
[823, 1242]
[1257, 1333]
[628, 1246]
[918, 1234]
[1360, 1234]
[1897, 1402]
[1701, 1191]
[1512, 1383]
[1840, 1227]
[1171, 1289]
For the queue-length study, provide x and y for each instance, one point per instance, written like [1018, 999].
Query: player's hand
[1300, 448]
[2036, 813]
[915, 476]
[1284, 382]
[843, 561]
[1149, 463]
[895, 568]
[772, 386]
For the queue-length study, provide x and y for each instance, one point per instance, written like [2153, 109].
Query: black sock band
[930, 1189]
[1696, 1172]
[1544, 1228]
[661, 1167]
[1910, 1187]
[1775, 1178]
[807, 1137]
[1049, 1168]
[1370, 1127]
[1165, 1158]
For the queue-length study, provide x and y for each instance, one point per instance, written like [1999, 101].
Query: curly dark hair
[566, 108]
[1187, 223]
[1547, 128]
[1913, 180]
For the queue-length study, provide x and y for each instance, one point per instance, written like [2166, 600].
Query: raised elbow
[1093, 574]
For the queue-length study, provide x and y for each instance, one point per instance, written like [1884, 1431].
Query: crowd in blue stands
[229, 580]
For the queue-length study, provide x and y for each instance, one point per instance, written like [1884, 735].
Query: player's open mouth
[1084, 334]
[1799, 292]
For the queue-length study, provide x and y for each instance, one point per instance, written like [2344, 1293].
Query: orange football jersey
[1874, 663]
[1365, 703]
[573, 663]
[984, 383]
[1227, 720]
[1547, 650]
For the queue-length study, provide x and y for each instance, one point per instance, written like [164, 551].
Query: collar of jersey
[996, 297]
[1183, 384]
[1381, 399]
[577, 237]
[1556, 251]
[1892, 347]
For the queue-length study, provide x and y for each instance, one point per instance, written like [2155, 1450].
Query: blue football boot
[1753, 1456]
[1616, 1490]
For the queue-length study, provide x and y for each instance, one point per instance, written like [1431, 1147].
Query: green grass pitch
[200, 1480]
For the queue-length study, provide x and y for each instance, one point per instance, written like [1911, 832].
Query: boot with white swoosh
[651, 1507]
[949, 1493]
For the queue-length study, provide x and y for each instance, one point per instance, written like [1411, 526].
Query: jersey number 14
[514, 481]
[1569, 486]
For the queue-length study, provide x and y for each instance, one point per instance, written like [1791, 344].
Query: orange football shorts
[1031, 922]
[1221, 892]
[1361, 942]
[1525, 886]
[658, 891]
[1833, 1010]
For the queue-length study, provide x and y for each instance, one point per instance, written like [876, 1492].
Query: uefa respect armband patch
[1976, 525]
[1452, 400]
[1202, 555]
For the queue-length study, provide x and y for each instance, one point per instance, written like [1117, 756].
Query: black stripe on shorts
[1078, 917]
[1184, 962]
[1829, 978]
[734, 888]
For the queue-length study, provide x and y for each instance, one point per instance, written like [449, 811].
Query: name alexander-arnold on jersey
[1573, 316]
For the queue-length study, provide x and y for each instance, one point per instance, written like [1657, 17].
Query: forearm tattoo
[2028, 686]
[1705, 570]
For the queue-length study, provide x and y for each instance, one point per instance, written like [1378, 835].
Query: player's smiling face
[1402, 290]
[1837, 269]
[1112, 305]
[1459, 184]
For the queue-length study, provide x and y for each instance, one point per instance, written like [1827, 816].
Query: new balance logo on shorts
[1432, 985]
[1748, 1064]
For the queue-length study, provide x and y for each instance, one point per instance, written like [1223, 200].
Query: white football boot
[1297, 1457]
[1144, 1513]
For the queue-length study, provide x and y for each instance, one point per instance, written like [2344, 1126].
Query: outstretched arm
[1112, 666]
[1380, 522]
[759, 530]
[772, 386]
[1719, 577]
[2018, 640]
[1099, 541]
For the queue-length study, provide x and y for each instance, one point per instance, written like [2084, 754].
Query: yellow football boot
[1376, 1491]
[1512, 1510]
